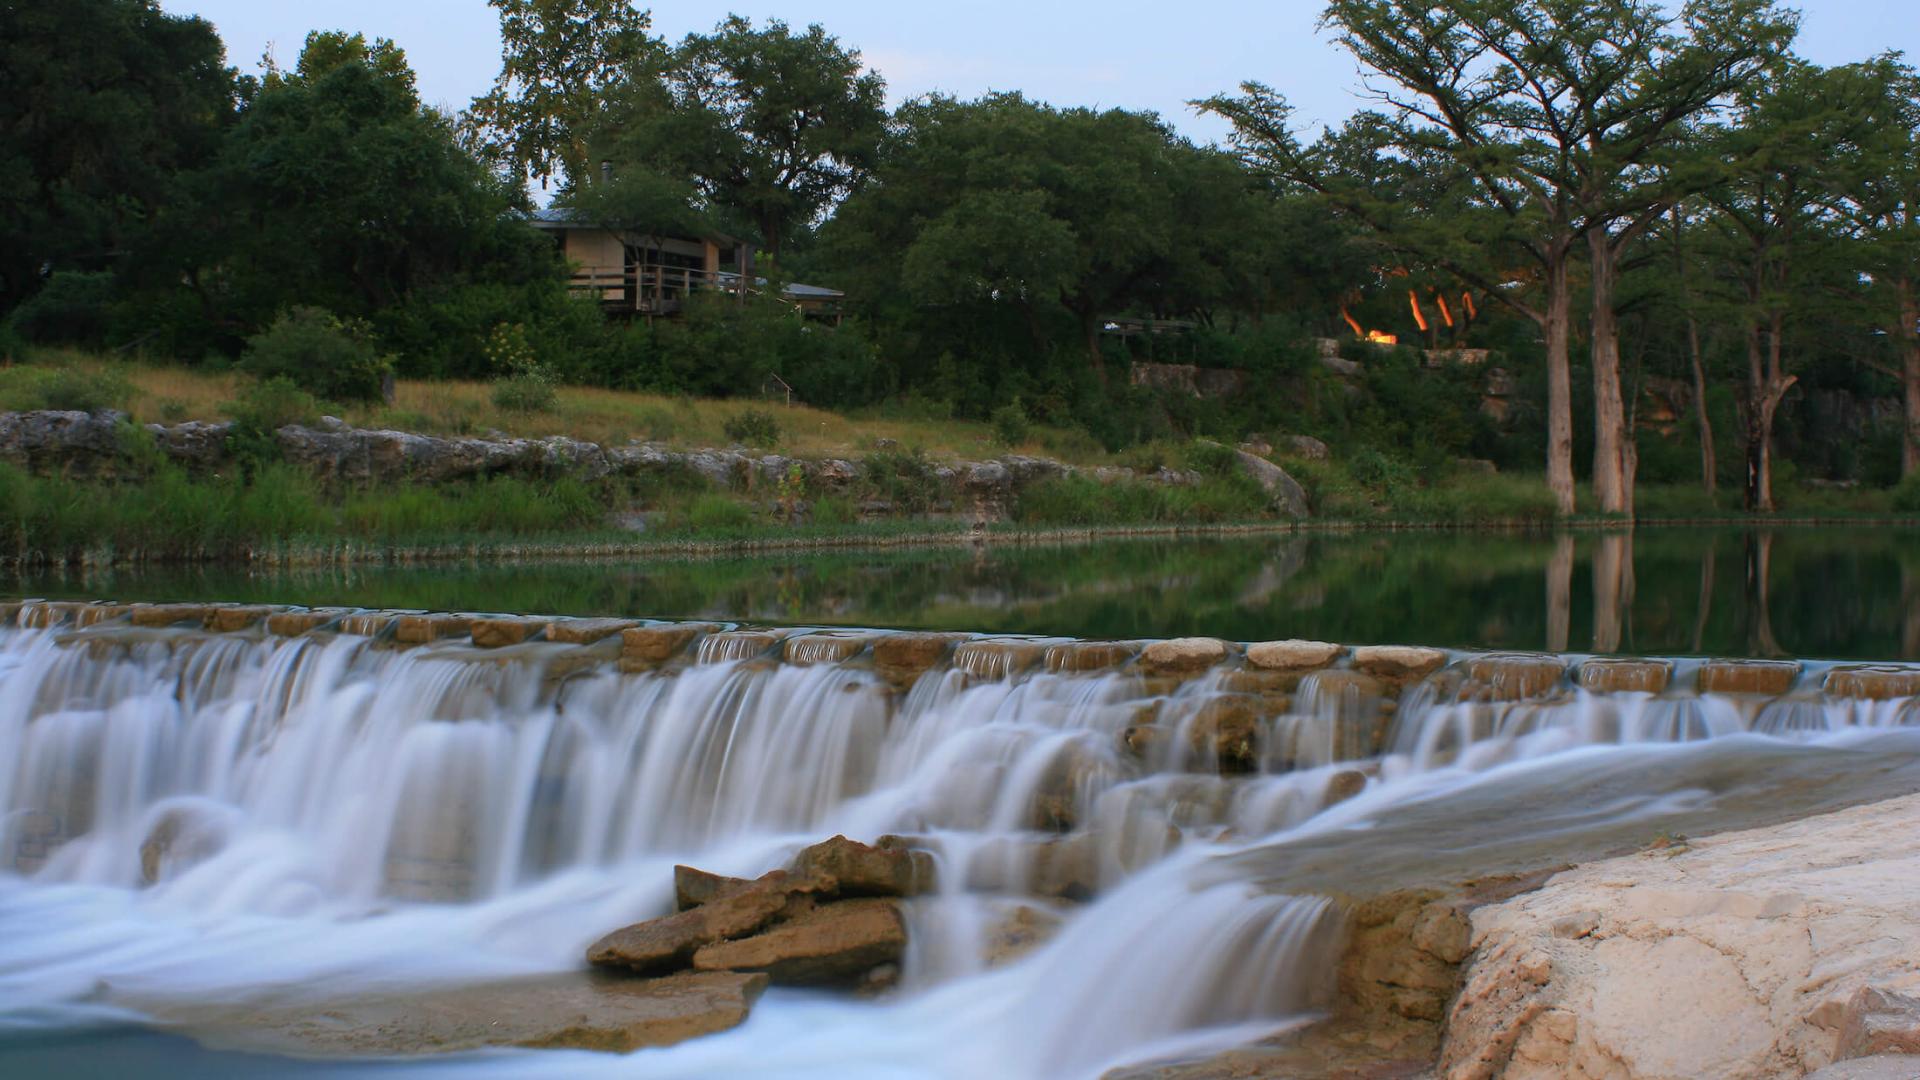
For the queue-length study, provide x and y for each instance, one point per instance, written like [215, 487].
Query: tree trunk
[1766, 386]
[1709, 467]
[1612, 469]
[1910, 375]
[1761, 639]
[1705, 610]
[1555, 324]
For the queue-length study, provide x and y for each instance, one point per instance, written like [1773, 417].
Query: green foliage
[528, 386]
[1212, 459]
[320, 353]
[64, 388]
[70, 309]
[904, 479]
[1382, 473]
[1082, 501]
[526, 392]
[1906, 495]
[1010, 424]
[718, 513]
[753, 427]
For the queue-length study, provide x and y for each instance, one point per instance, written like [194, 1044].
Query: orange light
[1472, 312]
[1445, 312]
[1379, 338]
[1357, 332]
[1419, 317]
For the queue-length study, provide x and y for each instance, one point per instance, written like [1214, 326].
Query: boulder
[847, 868]
[1879, 1021]
[1284, 493]
[1398, 663]
[1305, 447]
[667, 944]
[832, 943]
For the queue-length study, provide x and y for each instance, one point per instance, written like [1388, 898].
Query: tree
[561, 61]
[1877, 180]
[326, 51]
[1557, 113]
[103, 105]
[772, 126]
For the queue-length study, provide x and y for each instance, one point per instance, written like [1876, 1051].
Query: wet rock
[1769, 677]
[500, 633]
[94, 614]
[422, 629]
[739, 644]
[1226, 732]
[228, 620]
[1402, 956]
[693, 887]
[367, 624]
[1398, 663]
[1291, 655]
[1019, 930]
[1083, 656]
[579, 1011]
[826, 647]
[1344, 785]
[848, 868]
[587, 631]
[658, 644]
[990, 658]
[1511, 677]
[170, 614]
[667, 944]
[1873, 682]
[834, 943]
[1182, 656]
[912, 654]
[180, 838]
[1610, 676]
[295, 623]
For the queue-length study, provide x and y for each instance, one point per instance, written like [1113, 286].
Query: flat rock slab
[833, 943]
[658, 946]
[579, 1011]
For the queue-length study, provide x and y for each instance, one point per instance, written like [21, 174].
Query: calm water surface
[1838, 593]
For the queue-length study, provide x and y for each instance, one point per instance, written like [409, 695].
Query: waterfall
[188, 815]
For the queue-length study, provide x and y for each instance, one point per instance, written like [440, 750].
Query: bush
[754, 427]
[320, 354]
[67, 389]
[1212, 459]
[712, 512]
[905, 479]
[1010, 426]
[527, 392]
[1380, 472]
[268, 405]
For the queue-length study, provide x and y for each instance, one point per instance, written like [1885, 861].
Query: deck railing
[650, 288]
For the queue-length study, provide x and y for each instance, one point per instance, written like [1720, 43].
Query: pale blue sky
[1138, 55]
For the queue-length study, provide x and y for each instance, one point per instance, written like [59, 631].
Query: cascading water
[196, 818]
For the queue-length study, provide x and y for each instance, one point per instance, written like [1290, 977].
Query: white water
[193, 819]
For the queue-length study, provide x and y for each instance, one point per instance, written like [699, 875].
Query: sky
[1154, 55]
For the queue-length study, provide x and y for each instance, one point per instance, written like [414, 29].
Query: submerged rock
[579, 1011]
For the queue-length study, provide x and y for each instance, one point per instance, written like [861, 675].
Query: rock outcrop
[1769, 953]
[832, 918]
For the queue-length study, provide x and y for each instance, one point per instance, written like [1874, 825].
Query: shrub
[1212, 459]
[1010, 426]
[1380, 472]
[268, 405]
[754, 427]
[13, 347]
[318, 353]
[526, 392]
[904, 478]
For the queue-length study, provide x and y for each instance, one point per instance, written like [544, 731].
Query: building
[632, 271]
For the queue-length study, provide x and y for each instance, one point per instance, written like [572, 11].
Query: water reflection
[1841, 593]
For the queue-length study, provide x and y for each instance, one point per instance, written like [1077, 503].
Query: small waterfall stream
[190, 818]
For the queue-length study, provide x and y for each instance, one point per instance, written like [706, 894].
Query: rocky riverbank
[333, 452]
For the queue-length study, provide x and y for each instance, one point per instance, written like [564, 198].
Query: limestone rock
[1873, 682]
[693, 887]
[1501, 677]
[1398, 663]
[421, 629]
[997, 658]
[1770, 952]
[500, 633]
[657, 644]
[581, 1011]
[667, 944]
[848, 868]
[1613, 676]
[1089, 655]
[911, 654]
[1769, 677]
[1183, 656]
[587, 631]
[1291, 655]
[833, 943]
